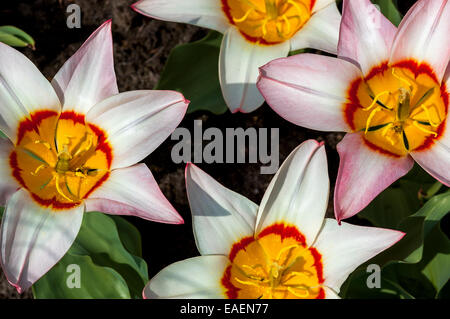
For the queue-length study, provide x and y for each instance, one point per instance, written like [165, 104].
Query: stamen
[244, 17]
[38, 169]
[297, 6]
[416, 124]
[286, 249]
[291, 290]
[369, 119]
[286, 20]
[402, 79]
[57, 176]
[248, 283]
[375, 100]
[46, 144]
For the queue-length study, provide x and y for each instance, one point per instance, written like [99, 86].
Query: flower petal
[137, 122]
[239, 61]
[330, 294]
[133, 191]
[436, 160]
[320, 4]
[309, 90]
[34, 238]
[423, 35]
[321, 32]
[363, 174]
[8, 184]
[220, 217]
[203, 13]
[193, 278]
[366, 35]
[344, 247]
[298, 194]
[23, 90]
[88, 77]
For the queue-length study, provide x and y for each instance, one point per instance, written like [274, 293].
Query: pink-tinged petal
[309, 90]
[344, 247]
[8, 184]
[133, 191]
[423, 35]
[366, 35]
[88, 77]
[137, 122]
[320, 4]
[447, 78]
[363, 174]
[203, 13]
[321, 32]
[298, 194]
[239, 61]
[34, 238]
[193, 278]
[23, 90]
[220, 217]
[436, 159]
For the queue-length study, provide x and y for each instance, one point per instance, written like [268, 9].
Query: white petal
[366, 35]
[239, 61]
[330, 294]
[23, 90]
[321, 32]
[88, 77]
[8, 184]
[344, 247]
[320, 4]
[34, 238]
[220, 216]
[133, 191]
[309, 90]
[194, 278]
[137, 122]
[203, 13]
[298, 194]
[423, 35]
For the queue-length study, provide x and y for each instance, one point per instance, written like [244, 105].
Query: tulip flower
[388, 90]
[255, 32]
[284, 248]
[72, 147]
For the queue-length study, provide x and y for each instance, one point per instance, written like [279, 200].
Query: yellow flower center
[59, 158]
[268, 21]
[399, 108]
[275, 265]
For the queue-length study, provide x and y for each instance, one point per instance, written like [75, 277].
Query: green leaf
[192, 69]
[15, 37]
[389, 10]
[104, 251]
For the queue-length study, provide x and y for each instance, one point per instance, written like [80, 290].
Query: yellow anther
[286, 20]
[416, 124]
[245, 282]
[369, 119]
[402, 79]
[285, 249]
[297, 6]
[60, 192]
[292, 291]
[239, 20]
[376, 99]
[264, 27]
[429, 116]
[46, 144]
[38, 169]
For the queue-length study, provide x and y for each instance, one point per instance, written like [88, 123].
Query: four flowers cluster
[74, 143]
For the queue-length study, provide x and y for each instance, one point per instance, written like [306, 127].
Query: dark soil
[141, 47]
